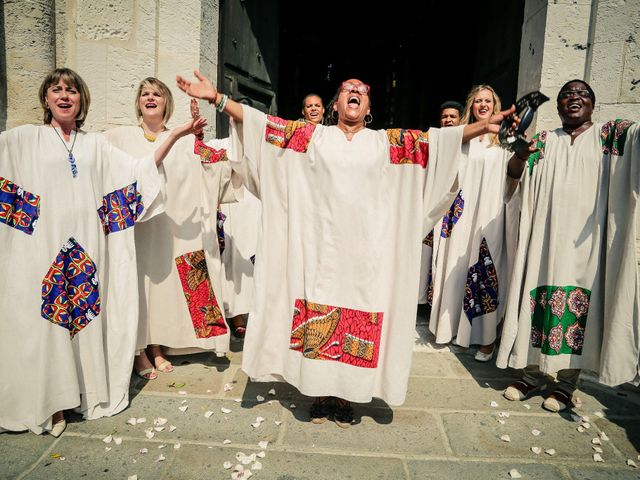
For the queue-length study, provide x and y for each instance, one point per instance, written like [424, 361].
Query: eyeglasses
[570, 93]
[361, 88]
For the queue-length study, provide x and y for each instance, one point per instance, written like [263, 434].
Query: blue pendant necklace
[70, 158]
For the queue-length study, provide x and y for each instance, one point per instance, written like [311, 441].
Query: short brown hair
[72, 79]
[164, 91]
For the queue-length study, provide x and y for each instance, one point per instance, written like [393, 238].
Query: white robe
[68, 308]
[338, 260]
[573, 299]
[470, 260]
[179, 267]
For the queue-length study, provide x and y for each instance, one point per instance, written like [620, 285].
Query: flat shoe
[518, 391]
[484, 357]
[557, 401]
[165, 367]
[58, 428]
[147, 374]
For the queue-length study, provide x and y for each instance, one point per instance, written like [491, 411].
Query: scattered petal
[580, 428]
[292, 406]
[272, 391]
[550, 451]
[513, 473]
[536, 450]
[586, 425]
[596, 441]
[256, 424]
[493, 404]
[263, 444]
[597, 449]
[161, 458]
[237, 400]
[117, 440]
[501, 422]
[597, 457]
[182, 392]
[603, 436]
[227, 465]
[132, 477]
[261, 454]
[107, 439]
[172, 428]
[159, 421]
[260, 398]
[161, 446]
[144, 450]
[141, 420]
[504, 414]
[505, 438]
[132, 421]
[599, 414]
[631, 463]
[278, 423]
[527, 406]
[176, 446]
[585, 418]
[158, 429]
[149, 435]
[208, 414]
[256, 466]
[225, 410]
[259, 419]
[226, 441]
[183, 408]
[106, 449]
[183, 402]
[208, 390]
[227, 387]
[535, 432]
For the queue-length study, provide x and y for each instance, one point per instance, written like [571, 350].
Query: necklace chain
[70, 158]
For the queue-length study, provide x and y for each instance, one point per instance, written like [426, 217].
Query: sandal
[557, 401]
[147, 373]
[518, 390]
[165, 366]
[343, 413]
[320, 410]
[238, 326]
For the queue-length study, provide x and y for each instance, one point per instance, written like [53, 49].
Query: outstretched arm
[192, 126]
[207, 91]
[490, 125]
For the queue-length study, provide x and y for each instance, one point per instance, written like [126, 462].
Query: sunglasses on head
[361, 88]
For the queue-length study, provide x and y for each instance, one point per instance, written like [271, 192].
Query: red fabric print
[289, 134]
[555, 337]
[558, 302]
[340, 334]
[578, 303]
[574, 337]
[203, 306]
[209, 154]
[408, 146]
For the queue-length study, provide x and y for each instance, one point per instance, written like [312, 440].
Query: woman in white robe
[337, 266]
[179, 267]
[470, 267]
[68, 310]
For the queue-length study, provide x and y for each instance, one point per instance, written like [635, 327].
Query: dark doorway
[415, 55]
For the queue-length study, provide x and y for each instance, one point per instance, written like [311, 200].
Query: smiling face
[575, 105]
[64, 103]
[151, 104]
[483, 105]
[312, 109]
[353, 103]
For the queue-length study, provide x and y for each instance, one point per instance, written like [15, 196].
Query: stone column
[30, 54]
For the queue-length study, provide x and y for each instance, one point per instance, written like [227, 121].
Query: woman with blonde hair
[180, 272]
[469, 250]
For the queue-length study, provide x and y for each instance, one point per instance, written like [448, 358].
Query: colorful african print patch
[220, 218]
[408, 146]
[18, 208]
[613, 136]
[120, 209]
[70, 295]
[290, 134]
[558, 318]
[452, 216]
[203, 306]
[323, 332]
[481, 289]
[209, 154]
[540, 140]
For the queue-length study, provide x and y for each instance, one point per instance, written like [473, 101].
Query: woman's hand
[203, 89]
[195, 114]
[192, 126]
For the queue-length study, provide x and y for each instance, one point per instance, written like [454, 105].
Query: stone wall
[112, 45]
[595, 40]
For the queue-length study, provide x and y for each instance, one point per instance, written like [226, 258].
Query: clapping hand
[202, 89]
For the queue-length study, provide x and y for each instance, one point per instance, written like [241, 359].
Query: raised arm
[490, 125]
[192, 126]
[207, 91]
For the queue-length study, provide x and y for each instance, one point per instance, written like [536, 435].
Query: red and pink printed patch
[289, 134]
[408, 146]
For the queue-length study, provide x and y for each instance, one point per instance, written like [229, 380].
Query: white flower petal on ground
[580, 428]
[527, 406]
[107, 439]
[493, 404]
[536, 450]
[597, 457]
[226, 441]
[143, 451]
[161, 446]
[256, 424]
[599, 414]
[237, 400]
[505, 438]
[225, 410]
[260, 398]
[227, 387]
[596, 441]
[132, 421]
[183, 402]
[631, 463]
[272, 391]
[256, 466]
[585, 425]
[107, 449]
[132, 477]
[117, 440]
[585, 418]
[603, 436]
[149, 435]
[259, 419]
[141, 420]
[535, 432]
[176, 446]
[501, 422]
[550, 451]
[513, 473]
[504, 414]
[208, 414]
[182, 392]
[263, 444]
[161, 458]
[159, 421]
[261, 454]
[158, 429]
[292, 406]
[278, 423]
[227, 465]
[183, 408]
[172, 428]
[597, 449]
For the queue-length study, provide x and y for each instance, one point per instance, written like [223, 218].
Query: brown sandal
[238, 326]
[518, 390]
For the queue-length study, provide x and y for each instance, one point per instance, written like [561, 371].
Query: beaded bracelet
[222, 104]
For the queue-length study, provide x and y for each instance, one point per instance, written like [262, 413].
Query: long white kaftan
[338, 260]
[573, 298]
[179, 267]
[241, 222]
[68, 303]
[470, 267]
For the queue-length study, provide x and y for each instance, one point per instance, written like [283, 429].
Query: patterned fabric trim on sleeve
[120, 209]
[408, 146]
[289, 134]
[540, 140]
[18, 208]
[613, 136]
[209, 154]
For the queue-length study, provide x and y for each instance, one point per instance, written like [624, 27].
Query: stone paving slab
[18, 451]
[604, 474]
[438, 470]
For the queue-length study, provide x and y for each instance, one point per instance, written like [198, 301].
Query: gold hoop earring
[367, 122]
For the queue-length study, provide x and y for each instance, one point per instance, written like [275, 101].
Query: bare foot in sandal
[143, 368]
[238, 325]
[159, 360]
